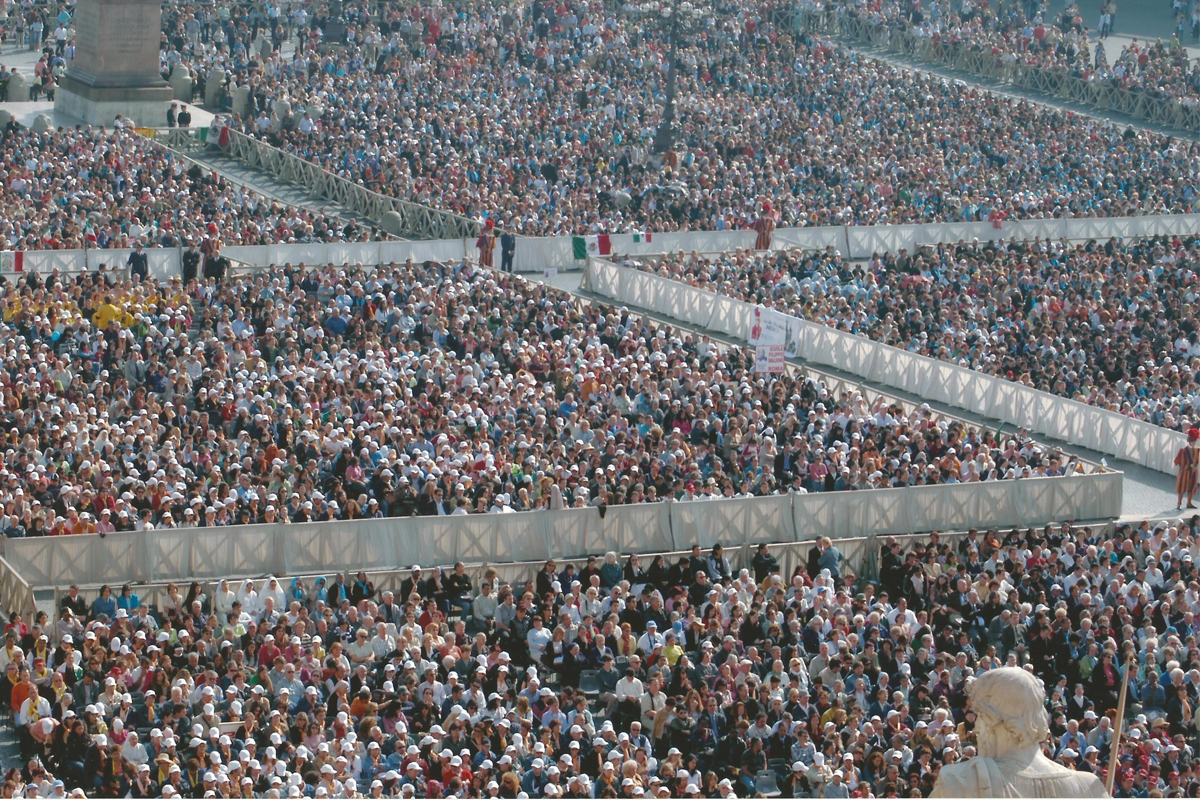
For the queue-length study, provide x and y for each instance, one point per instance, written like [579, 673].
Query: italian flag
[643, 236]
[584, 246]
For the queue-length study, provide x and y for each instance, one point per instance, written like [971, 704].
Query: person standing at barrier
[508, 248]
[139, 264]
[487, 243]
[765, 226]
[191, 263]
[1188, 461]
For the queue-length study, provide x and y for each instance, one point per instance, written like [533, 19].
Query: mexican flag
[643, 236]
[584, 246]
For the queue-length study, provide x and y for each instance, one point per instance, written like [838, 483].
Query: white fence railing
[961, 387]
[535, 254]
[860, 553]
[213, 553]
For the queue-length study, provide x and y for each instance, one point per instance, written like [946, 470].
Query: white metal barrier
[858, 552]
[1043, 413]
[212, 553]
[535, 254]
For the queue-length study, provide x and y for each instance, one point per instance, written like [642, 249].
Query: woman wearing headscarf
[272, 589]
[297, 592]
[248, 597]
[317, 593]
[223, 600]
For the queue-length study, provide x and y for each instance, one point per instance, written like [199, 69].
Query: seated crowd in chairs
[686, 676]
[1090, 321]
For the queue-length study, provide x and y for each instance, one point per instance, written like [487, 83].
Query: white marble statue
[1011, 725]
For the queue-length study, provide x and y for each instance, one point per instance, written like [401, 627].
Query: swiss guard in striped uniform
[1188, 461]
[487, 243]
[765, 225]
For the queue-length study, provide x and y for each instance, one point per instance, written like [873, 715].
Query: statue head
[1010, 704]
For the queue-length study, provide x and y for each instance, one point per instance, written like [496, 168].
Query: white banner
[769, 359]
[767, 326]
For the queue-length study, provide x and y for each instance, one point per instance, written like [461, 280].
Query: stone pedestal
[181, 83]
[18, 88]
[282, 111]
[214, 88]
[241, 101]
[116, 64]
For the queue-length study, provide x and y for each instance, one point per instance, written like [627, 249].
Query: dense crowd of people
[619, 677]
[1106, 323]
[301, 394]
[542, 117]
[77, 188]
[305, 393]
[1034, 35]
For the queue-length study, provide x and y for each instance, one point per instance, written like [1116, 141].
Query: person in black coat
[191, 263]
[508, 247]
[139, 263]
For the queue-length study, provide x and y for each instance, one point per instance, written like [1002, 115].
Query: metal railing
[416, 221]
[212, 553]
[1055, 82]
[15, 593]
[860, 553]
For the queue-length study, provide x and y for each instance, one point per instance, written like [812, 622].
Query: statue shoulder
[969, 778]
[1089, 785]
[1059, 781]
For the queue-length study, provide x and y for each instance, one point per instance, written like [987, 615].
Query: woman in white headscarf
[272, 589]
[248, 597]
[223, 600]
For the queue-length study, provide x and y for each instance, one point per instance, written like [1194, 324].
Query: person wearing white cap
[837, 786]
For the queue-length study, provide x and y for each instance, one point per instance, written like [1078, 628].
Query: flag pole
[1119, 723]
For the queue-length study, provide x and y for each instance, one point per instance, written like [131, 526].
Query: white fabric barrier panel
[352, 253]
[1033, 228]
[1040, 412]
[46, 261]
[1177, 224]
[539, 253]
[442, 250]
[161, 262]
[734, 521]
[378, 544]
[958, 506]
[112, 259]
[246, 253]
[864, 240]
[365, 253]
[731, 317]
[625, 529]
[312, 254]
[164, 263]
[536, 254]
[603, 278]
[809, 238]
[964, 231]
[1103, 229]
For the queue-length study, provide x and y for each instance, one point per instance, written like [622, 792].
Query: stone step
[269, 186]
